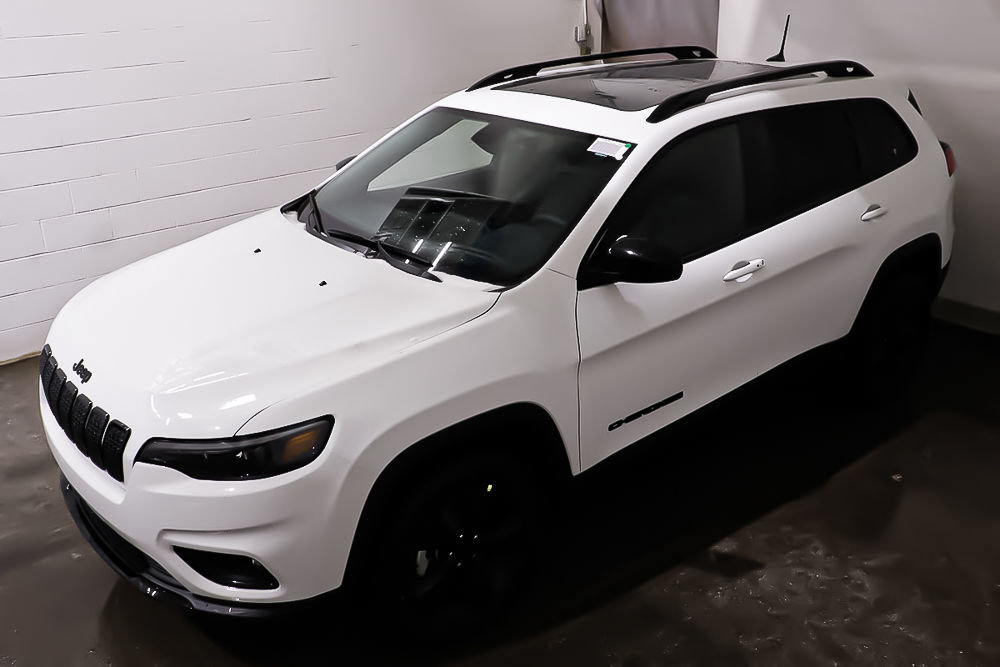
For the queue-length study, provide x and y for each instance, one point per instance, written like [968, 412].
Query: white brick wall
[128, 127]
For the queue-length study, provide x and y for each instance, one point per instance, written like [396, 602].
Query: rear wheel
[456, 546]
[889, 337]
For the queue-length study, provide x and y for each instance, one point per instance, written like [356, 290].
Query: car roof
[635, 86]
[628, 99]
[670, 86]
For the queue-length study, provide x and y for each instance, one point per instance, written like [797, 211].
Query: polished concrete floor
[779, 527]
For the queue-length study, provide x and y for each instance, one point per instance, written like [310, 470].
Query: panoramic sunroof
[635, 87]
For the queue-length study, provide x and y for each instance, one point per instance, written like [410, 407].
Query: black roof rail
[531, 69]
[833, 68]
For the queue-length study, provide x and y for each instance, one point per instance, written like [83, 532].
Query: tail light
[949, 156]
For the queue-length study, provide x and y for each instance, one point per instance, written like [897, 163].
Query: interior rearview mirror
[631, 259]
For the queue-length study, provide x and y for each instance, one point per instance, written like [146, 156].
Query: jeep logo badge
[82, 371]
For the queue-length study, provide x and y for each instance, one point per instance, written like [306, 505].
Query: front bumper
[284, 523]
[139, 570]
[149, 576]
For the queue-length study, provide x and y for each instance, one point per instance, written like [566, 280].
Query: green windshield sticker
[609, 148]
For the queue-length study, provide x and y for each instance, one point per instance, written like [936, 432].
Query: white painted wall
[637, 24]
[949, 54]
[127, 127]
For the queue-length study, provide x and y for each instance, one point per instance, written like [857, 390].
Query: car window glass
[719, 184]
[884, 141]
[797, 158]
[450, 152]
[478, 196]
[691, 197]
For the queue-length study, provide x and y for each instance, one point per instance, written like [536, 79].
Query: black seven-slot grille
[100, 438]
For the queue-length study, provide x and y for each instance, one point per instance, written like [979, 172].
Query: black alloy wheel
[890, 338]
[459, 546]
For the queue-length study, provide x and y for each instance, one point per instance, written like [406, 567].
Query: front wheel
[456, 546]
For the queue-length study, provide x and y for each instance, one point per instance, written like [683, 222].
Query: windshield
[477, 196]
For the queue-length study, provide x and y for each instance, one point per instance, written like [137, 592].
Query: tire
[455, 547]
[888, 338]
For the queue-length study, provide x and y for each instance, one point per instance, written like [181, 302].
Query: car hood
[202, 337]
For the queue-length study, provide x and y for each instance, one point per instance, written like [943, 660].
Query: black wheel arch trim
[922, 256]
[536, 435]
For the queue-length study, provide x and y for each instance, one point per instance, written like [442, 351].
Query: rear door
[903, 193]
[811, 203]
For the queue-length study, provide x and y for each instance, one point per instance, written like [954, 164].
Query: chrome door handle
[744, 270]
[874, 212]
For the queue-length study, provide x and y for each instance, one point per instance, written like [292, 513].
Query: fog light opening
[230, 570]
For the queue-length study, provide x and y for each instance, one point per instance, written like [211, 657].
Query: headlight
[240, 458]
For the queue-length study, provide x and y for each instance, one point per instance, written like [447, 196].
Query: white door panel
[643, 344]
[703, 336]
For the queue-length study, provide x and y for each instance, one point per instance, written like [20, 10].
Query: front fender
[524, 350]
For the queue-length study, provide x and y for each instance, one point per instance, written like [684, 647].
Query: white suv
[377, 386]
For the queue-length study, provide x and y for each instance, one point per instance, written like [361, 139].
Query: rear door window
[797, 158]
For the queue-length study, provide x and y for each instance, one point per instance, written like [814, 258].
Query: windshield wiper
[351, 237]
[425, 191]
[413, 263]
[315, 225]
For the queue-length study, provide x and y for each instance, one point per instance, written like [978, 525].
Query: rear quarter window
[885, 143]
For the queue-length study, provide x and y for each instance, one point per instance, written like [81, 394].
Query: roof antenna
[780, 56]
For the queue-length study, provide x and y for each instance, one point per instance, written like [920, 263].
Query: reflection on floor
[777, 527]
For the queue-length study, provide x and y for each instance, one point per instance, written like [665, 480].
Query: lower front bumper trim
[149, 576]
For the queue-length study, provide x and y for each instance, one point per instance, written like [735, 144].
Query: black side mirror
[343, 163]
[632, 259]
